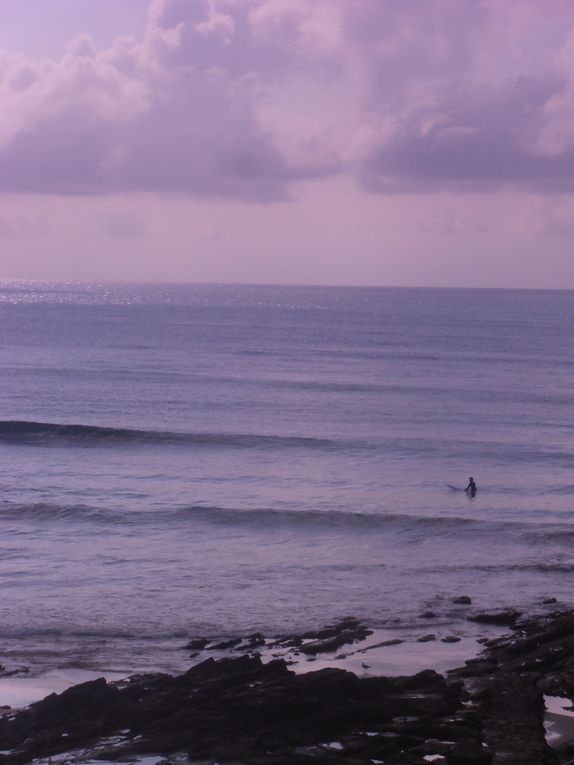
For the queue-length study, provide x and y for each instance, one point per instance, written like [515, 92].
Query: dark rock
[546, 645]
[197, 645]
[242, 710]
[428, 615]
[382, 644]
[234, 709]
[255, 640]
[513, 727]
[426, 638]
[462, 600]
[96, 695]
[333, 630]
[557, 684]
[450, 639]
[502, 618]
[468, 753]
[433, 747]
[225, 644]
[332, 638]
[475, 668]
[427, 680]
[329, 639]
[549, 601]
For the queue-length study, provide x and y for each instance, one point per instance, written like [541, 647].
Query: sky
[359, 142]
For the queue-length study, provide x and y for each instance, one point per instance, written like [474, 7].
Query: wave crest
[262, 518]
[48, 433]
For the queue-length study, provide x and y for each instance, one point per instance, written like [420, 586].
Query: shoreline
[122, 654]
[437, 644]
[381, 653]
[359, 703]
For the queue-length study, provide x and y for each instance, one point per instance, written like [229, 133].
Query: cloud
[124, 226]
[22, 226]
[242, 100]
[553, 217]
[448, 222]
[467, 96]
[482, 139]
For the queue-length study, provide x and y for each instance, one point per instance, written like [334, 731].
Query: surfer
[471, 488]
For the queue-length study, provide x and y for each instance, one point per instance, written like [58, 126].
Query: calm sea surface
[189, 460]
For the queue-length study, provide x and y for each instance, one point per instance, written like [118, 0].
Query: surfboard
[453, 488]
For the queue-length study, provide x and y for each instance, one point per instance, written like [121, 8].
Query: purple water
[187, 460]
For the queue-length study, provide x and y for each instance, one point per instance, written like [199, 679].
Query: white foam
[559, 720]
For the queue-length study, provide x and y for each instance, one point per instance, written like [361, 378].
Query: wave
[48, 433]
[63, 435]
[564, 490]
[561, 567]
[48, 512]
[67, 632]
[267, 519]
[321, 519]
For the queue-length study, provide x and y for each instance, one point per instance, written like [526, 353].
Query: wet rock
[462, 600]
[332, 630]
[232, 709]
[541, 646]
[426, 638]
[514, 713]
[475, 668]
[383, 644]
[197, 644]
[502, 618]
[428, 615]
[334, 637]
[450, 639]
[225, 644]
[242, 710]
[557, 684]
[256, 640]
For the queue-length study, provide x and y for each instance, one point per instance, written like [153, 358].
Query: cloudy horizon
[288, 141]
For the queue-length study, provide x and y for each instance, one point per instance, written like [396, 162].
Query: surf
[50, 433]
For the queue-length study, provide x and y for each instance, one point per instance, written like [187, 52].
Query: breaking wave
[48, 433]
[268, 519]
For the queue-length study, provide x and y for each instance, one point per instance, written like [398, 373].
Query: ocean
[188, 460]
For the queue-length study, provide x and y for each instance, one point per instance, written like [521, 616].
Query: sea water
[187, 460]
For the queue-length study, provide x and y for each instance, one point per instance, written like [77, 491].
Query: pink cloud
[121, 225]
[243, 99]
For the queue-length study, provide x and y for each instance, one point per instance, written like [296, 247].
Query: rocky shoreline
[245, 710]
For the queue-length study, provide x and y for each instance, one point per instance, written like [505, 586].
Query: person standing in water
[471, 488]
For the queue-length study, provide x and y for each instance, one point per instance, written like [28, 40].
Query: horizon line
[280, 285]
